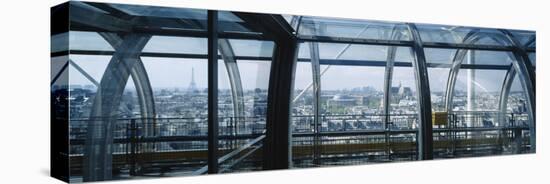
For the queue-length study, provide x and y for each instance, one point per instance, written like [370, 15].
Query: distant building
[400, 92]
[193, 86]
[342, 100]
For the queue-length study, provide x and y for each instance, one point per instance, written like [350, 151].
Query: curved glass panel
[403, 96]
[477, 90]
[483, 57]
[166, 12]
[242, 99]
[436, 57]
[351, 101]
[525, 38]
[458, 34]
[349, 28]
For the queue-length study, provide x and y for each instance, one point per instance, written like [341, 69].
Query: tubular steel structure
[128, 31]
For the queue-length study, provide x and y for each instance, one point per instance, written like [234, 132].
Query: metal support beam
[98, 150]
[388, 78]
[63, 68]
[425, 138]
[228, 56]
[526, 74]
[83, 72]
[83, 16]
[504, 93]
[316, 77]
[213, 92]
[327, 39]
[277, 152]
[143, 87]
[277, 145]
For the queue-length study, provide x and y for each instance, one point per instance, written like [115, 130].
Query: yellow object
[440, 118]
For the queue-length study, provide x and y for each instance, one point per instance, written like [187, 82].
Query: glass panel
[353, 106]
[403, 94]
[79, 40]
[485, 57]
[83, 90]
[360, 94]
[475, 119]
[438, 83]
[457, 34]
[172, 44]
[165, 12]
[349, 28]
[524, 37]
[336, 51]
[252, 48]
[517, 101]
[439, 56]
[161, 17]
[229, 22]
[180, 92]
[242, 102]
[477, 90]
[354, 52]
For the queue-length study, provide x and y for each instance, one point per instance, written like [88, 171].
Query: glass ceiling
[167, 17]
[335, 28]
[349, 28]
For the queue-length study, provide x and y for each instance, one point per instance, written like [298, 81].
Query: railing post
[133, 146]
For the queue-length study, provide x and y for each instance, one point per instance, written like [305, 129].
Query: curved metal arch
[459, 55]
[99, 142]
[527, 76]
[505, 92]
[142, 84]
[425, 137]
[388, 78]
[316, 81]
[388, 74]
[228, 56]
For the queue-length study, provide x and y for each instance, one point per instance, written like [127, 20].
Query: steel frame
[106, 103]
[527, 77]
[116, 26]
[425, 138]
[212, 91]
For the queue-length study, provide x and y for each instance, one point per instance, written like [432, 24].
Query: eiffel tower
[193, 86]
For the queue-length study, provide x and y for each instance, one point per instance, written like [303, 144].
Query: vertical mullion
[212, 91]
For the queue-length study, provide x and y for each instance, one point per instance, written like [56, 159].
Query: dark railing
[179, 145]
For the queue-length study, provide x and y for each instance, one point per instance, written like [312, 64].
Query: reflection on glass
[460, 34]
[348, 28]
